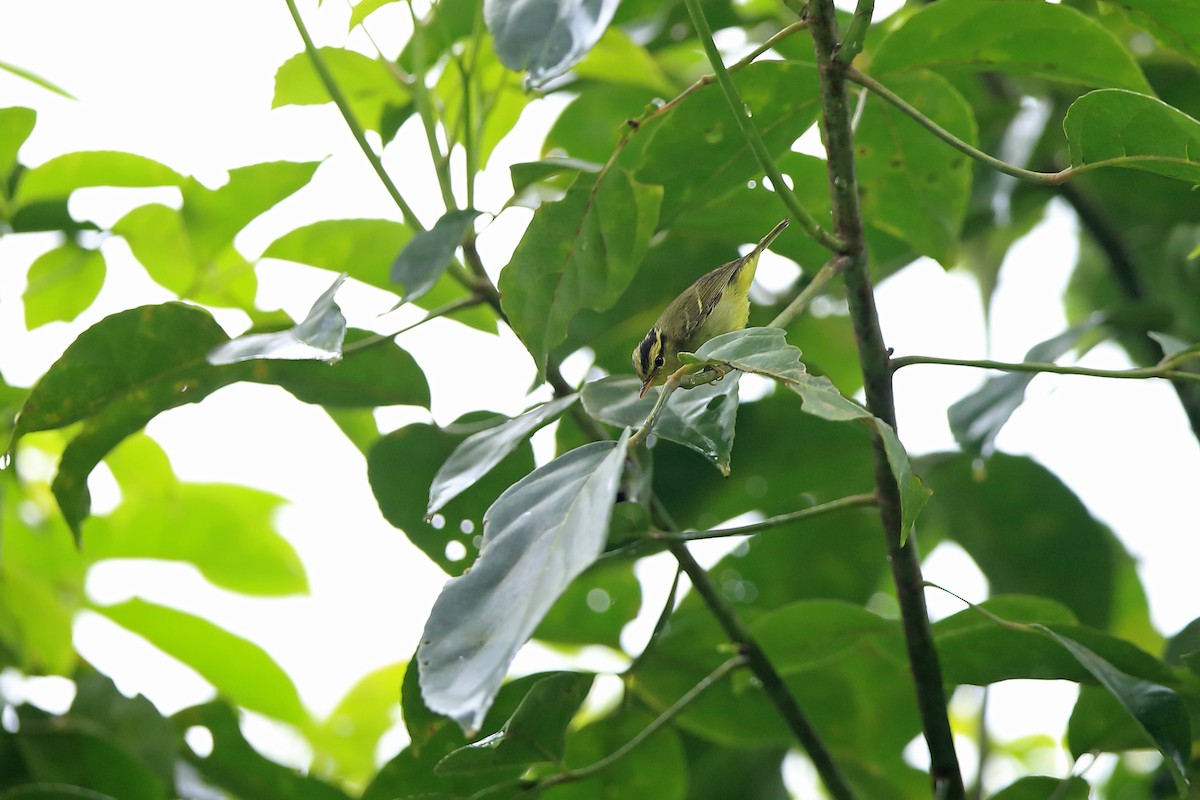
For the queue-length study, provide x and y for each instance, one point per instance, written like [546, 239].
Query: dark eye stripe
[647, 348]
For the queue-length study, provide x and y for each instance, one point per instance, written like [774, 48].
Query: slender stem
[1140, 373]
[660, 626]
[772, 684]
[819, 281]
[339, 99]
[877, 384]
[741, 113]
[1045, 178]
[856, 33]
[851, 501]
[644, 734]
[440, 311]
[441, 163]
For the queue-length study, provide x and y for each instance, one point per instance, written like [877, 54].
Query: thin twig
[441, 311]
[754, 139]
[851, 501]
[339, 99]
[1139, 373]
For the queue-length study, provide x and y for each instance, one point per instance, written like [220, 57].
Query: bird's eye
[658, 362]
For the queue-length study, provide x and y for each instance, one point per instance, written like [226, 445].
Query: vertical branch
[877, 383]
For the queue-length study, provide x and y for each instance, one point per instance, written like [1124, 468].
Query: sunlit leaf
[580, 252]
[538, 536]
[63, 174]
[545, 38]
[364, 9]
[482, 451]
[616, 58]
[536, 733]
[426, 256]
[1045, 40]
[1118, 128]
[36, 79]
[317, 338]
[977, 419]
[239, 669]
[912, 185]
[16, 123]
[367, 83]
[492, 106]
[347, 739]
[63, 282]
[702, 418]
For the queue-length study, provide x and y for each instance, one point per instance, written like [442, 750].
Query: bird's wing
[704, 295]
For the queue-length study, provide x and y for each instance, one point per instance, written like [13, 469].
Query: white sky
[190, 84]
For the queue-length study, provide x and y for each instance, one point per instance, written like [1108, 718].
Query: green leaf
[426, 256]
[698, 151]
[318, 338]
[1044, 40]
[1047, 544]
[1113, 127]
[1040, 787]
[63, 282]
[346, 741]
[480, 452]
[702, 418]
[597, 605]
[912, 185]
[365, 249]
[36, 79]
[527, 173]
[364, 9]
[60, 176]
[545, 38]
[419, 721]
[51, 791]
[16, 123]
[536, 733]
[538, 536]
[806, 633]
[1171, 23]
[225, 531]
[655, 768]
[765, 351]
[239, 669]
[235, 766]
[616, 58]
[580, 252]
[494, 107]
[401, 468]
[133, 723]
[977, 419]
[366, 82]
[1157, 710]
[592, 124]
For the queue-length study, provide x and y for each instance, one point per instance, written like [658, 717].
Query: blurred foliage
[1043, 86]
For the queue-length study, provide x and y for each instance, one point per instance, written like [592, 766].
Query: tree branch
[877, 383]
[1140, 373]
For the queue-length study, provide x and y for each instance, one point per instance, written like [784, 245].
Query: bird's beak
[645, 387]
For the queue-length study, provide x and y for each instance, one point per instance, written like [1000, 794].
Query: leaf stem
[856, 34]
[945, 772]
[1140, 373]
[440, 311]
[662, 719]
[851, 501]
[441, 163]
[339, 99]
[832, 267]
[741, 113]
[1044, 178]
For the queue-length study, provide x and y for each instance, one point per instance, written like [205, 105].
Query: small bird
[718, 302]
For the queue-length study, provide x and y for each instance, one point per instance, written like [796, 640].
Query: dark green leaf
[48, 215]
[1113, 127]
[536, 732]
[402, 466]
[133, 723]
[1040, 39]
[698, 152]
[545, 38]
[318, 338]
[597, 605]
[976, 419]
[592, 124]
[580, 252]
[239, 669]
[51, 791]
[480, 452]
[655, 768]
[366, 82]
[559, 170]
[806, 633]
[60, 176]
[1171, 23]
[1040, 787]
[718, 773]
[63, 282]
[238, 768]
[701, 418]
[912, 185]
[64, 752]
[1184, 644]
[1157, 710]
[538, 536]
[426, 256]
